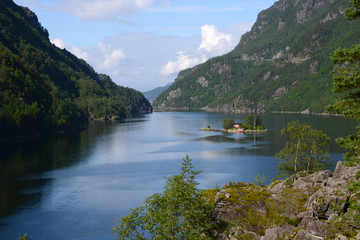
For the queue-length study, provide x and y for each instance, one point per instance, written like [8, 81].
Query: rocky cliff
[282, 64]
[323, 205]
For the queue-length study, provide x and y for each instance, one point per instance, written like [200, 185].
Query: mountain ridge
[282, 64]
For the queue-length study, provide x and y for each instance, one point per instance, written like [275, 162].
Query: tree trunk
[296, 155]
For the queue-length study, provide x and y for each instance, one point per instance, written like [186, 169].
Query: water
[74, 186]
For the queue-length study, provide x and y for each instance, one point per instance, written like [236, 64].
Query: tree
[253, 120]
[346, 77]
[306, 150]
[180, 212]
[353, 13]
[228, 123]
[25, 237]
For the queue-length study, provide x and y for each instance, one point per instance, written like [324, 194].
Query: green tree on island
[346, 77]
[253, 121]
[180, 212]
[306, 150]
[228, 123]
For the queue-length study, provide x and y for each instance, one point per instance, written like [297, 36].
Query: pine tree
[346, 76]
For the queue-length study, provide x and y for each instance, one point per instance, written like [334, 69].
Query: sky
[143, 44]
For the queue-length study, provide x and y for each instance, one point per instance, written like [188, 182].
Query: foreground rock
[312, 207]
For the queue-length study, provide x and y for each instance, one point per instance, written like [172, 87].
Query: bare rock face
[306, 10]
[203, 82]
[279, 92]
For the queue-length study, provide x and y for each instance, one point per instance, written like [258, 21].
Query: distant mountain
[282, 64]
[151, 95]
[44, 88]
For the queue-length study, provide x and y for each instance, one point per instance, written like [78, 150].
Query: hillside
[151, 95]
[282, 64]
[44, 88]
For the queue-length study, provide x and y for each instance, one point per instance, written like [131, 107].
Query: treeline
[45, 88]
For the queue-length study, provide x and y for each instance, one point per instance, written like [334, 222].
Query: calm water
[75, 186]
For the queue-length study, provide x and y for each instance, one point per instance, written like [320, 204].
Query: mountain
[44, 88]
[282, 64]
[151, 95]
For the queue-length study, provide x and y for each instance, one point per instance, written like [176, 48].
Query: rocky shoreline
[309, 207]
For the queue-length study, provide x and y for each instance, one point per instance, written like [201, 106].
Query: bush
[228, 123]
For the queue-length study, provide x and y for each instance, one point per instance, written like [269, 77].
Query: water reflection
[75, 185]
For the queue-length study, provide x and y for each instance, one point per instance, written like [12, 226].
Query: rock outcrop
[307, 207]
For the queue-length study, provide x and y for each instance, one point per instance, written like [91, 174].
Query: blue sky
[143, 44]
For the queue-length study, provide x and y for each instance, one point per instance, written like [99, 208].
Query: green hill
[151, 95]
[44, 88]
[282, 64]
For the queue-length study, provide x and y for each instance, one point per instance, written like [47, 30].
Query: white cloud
[215, 41]
[58, 42]
[80, 53]
[74, 50]
[93, 10]
[112, 59]
[183, 61]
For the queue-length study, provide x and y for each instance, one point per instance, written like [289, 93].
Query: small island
[252, 125]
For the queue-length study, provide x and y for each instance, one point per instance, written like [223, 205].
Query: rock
[271, 233]
[304, 235]
[306, 221]
[279, 92]
[321, 176]
[274, 189]
[333, 217]
[203, 82]
[343, 172]
[303, 183]
[317, 228]
[306, 214]
[318, 179]
[341, 237]
[327, 201]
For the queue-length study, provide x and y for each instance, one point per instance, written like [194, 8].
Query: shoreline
[248, 131]
[244, 112]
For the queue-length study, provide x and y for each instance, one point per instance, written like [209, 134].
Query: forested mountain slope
[282, 64]
[45, 88]
[151, 95]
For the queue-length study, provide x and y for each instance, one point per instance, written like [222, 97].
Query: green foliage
[180, 212]
[25, 237]
[346, 77]
[44, 88]
[292, 221]
[254, 121]
[228, 123]
[346, 81]
[352, 144]
[260, 180]
[348, 224]
[353, 13]
[306, 150]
